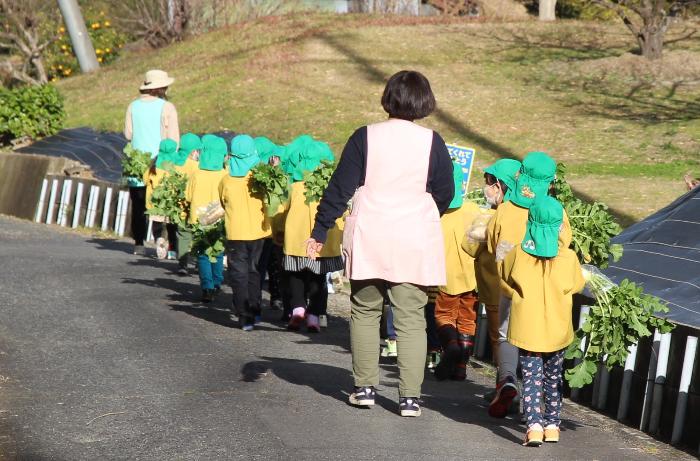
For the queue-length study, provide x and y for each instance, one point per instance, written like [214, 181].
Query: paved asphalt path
[103, 355]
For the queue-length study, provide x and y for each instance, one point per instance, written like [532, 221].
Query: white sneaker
[323, 321]
[161, 248]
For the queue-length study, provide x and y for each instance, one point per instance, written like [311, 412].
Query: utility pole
[82, 45]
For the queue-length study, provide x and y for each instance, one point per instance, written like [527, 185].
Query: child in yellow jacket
[457, 301]
[247, 227]
[162, 164]
[306, 278]
[500, 183]
[505, 232]
[202, 190]
[187, 163]
[540, 279]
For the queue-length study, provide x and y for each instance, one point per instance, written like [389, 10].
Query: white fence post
[651, 375]
[77, 205]
[52, 198]
[62, 217]
[659, 380]
[603, 378]
[691, 346]
[149, 231]
[125, 213]
[482, 331]
[92, 206]
[42, 200]
[626, 386]
[576, 392]
[105, 210]
[118, 214]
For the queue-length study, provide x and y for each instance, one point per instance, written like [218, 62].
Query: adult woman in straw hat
[149, 119]
[400, 176]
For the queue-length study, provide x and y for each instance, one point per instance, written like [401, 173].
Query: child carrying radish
[500, 183]
[247, 227]
[505, 232]
[305, 277]
[540, 279]
[186, 162]
[202, 190]
[456, 303]
[167, 153]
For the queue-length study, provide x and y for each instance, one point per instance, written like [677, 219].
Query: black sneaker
[409, 406]
[207, 296]
[363, 396]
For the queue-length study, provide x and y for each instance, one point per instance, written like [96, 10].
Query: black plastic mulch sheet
[662, 253]
[101, 151]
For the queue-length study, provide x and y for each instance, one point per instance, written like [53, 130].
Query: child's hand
[313, 248]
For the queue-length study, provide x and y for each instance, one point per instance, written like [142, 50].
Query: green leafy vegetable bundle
[270, 183]
[209, 240]
[315, 182]
[168, 198]
[476, 196]
[592, 225]
[135, 162]
[621, 316]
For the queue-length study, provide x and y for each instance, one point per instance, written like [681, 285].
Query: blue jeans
[211, 274]
[542, 380]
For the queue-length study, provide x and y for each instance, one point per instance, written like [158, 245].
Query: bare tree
[648, 20]
[22, 40]
[157, 22]
[548, 10]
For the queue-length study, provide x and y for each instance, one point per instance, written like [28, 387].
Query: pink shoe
[313, 323]
[298, 315]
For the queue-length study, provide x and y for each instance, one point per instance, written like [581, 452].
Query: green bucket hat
[244, 155]
[166, 152]
[214, 150]
[505, 170]
[457, 176]
[536, 174]
[543, 224]
[188, 143]
[266, 148]
[304, 154]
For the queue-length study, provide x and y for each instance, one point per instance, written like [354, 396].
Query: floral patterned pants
[542, 380]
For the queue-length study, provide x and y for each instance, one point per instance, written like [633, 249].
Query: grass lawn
[627, 130]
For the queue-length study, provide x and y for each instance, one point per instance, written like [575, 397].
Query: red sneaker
[506, 391]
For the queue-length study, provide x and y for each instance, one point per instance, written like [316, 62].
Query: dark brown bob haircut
[408, 96]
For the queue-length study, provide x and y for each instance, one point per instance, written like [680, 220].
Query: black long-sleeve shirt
[350, 175]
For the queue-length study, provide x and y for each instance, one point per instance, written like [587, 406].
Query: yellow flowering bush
[107, 40]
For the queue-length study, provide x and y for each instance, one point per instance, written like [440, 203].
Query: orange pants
[458, 311]
[492, 315]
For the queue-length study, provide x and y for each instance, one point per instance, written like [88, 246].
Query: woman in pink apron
[399, 176]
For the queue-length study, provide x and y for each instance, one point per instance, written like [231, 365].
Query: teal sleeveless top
[145, 120]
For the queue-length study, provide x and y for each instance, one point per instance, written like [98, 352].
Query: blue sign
[465, 157]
